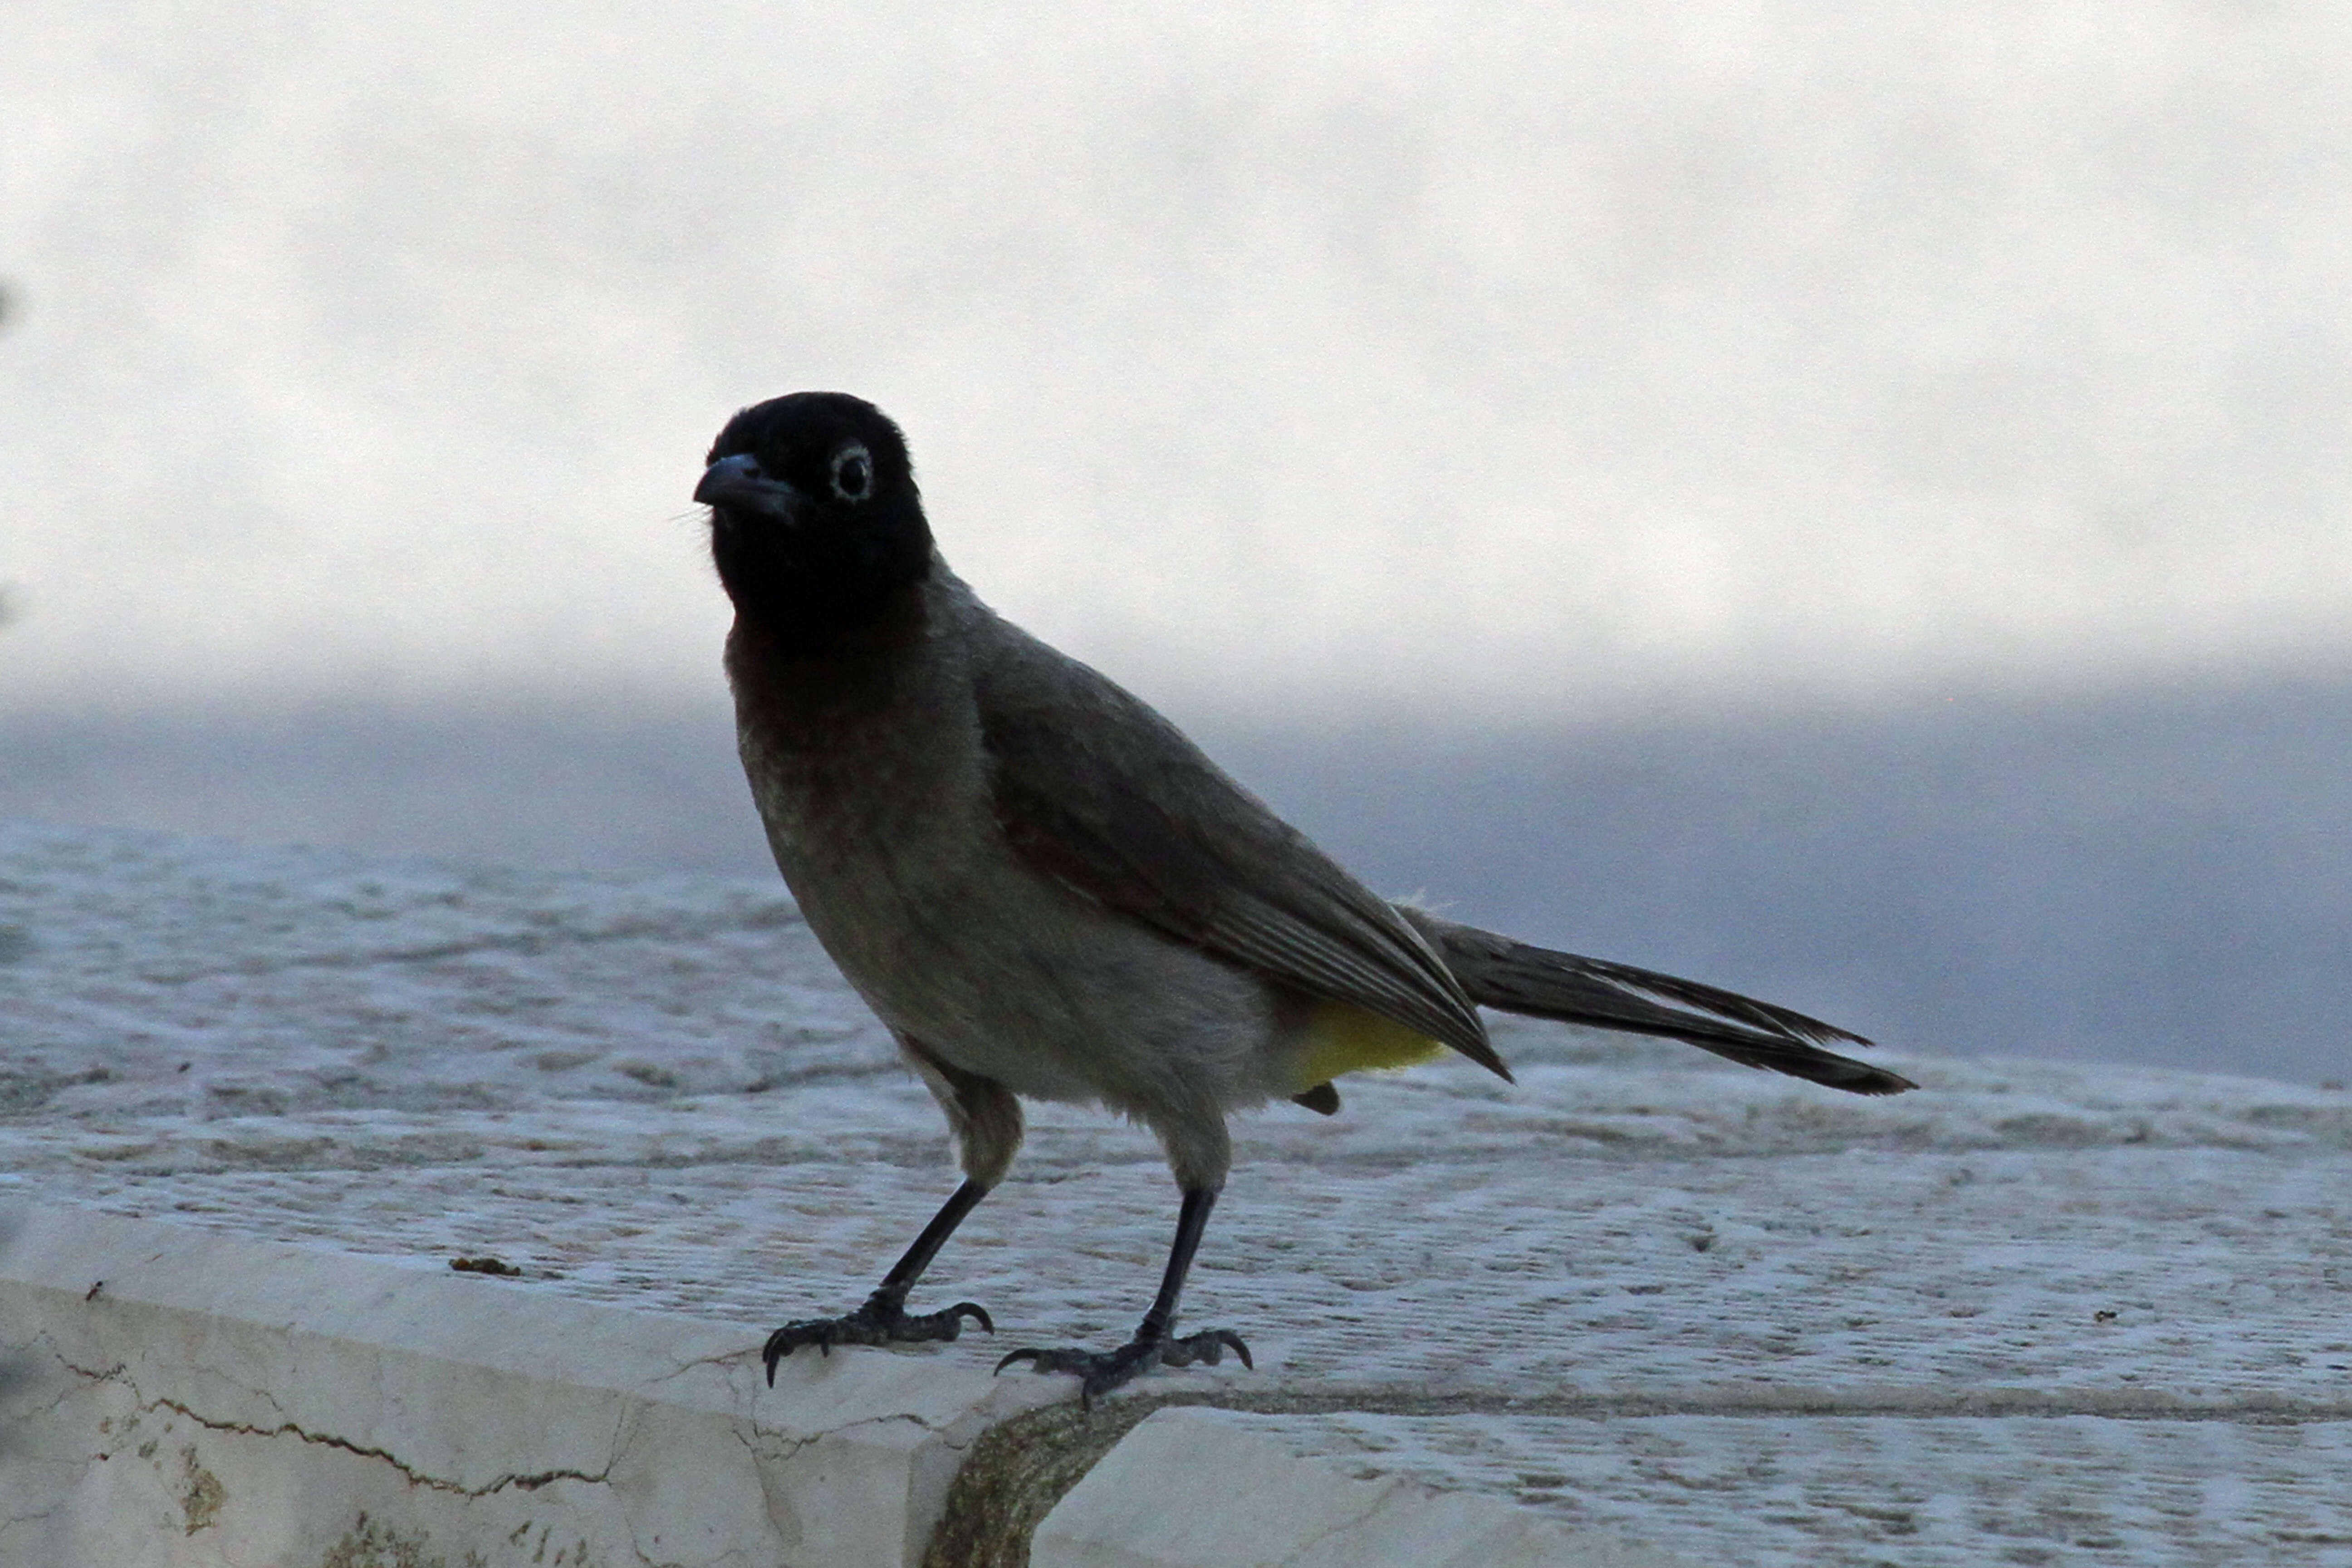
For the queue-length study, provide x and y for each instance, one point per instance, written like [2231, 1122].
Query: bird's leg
[883, 1319]
[1155, 1342]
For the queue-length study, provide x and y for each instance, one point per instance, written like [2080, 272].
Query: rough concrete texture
[1019, 1470]
[1188, 1489]
[2034, 1313]
[178, 1398]
[206, 1401]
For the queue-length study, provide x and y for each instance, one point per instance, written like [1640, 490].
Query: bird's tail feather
[1516, 977]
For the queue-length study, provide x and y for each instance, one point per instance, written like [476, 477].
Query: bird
[1045, 890]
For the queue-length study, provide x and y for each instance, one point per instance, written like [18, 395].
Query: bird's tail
[1515, 977]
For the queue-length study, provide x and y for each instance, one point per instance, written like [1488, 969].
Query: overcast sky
[1508, 362]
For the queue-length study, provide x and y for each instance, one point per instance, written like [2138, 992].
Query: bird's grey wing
[1094, 788]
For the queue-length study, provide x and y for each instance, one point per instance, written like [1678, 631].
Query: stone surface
[1188, 1489]
[2032, 1313]
[179, 1398]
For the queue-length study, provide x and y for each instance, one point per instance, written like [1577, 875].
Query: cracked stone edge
[522, 1481]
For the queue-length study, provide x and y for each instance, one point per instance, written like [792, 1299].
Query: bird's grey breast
[873, 781]
[870, 781]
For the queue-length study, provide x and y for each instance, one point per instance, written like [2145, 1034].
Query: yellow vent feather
[1342, 1038]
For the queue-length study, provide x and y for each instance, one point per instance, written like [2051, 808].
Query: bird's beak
[736, 484]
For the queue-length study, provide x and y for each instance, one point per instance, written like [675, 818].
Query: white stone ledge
[222, 1401]
[172, 1398]
[1187, 1490]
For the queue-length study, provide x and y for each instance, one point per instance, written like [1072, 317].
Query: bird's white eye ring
[853, 472]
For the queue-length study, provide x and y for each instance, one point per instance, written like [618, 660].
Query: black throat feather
[812, 590]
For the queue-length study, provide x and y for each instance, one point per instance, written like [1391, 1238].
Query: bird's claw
[1099, 1372]
[878, 1322]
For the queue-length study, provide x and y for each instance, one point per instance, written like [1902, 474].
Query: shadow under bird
[1044, 889]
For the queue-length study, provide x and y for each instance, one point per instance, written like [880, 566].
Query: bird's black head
[815, 525]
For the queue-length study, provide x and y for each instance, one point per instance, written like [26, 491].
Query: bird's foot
[1099, 1372]
[881, 1321]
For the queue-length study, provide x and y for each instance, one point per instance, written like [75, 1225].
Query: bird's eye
[853, 473]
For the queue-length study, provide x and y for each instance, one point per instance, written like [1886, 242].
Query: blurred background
[1845, 502]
